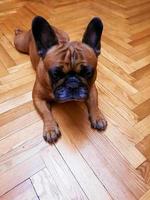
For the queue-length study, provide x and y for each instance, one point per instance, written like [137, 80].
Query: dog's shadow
[72, 118]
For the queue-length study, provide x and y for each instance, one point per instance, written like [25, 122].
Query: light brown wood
[146, 196]
[17, 174]
[24, 191]
[45, 186]
[84, 164]
[59, 174]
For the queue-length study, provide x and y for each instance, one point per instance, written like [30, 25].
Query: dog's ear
[92, 35]
[43, 34]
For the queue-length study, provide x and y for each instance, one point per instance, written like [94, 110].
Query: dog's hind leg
[22, 40]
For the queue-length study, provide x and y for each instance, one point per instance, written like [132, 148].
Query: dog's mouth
[72, 88]
[63, 94]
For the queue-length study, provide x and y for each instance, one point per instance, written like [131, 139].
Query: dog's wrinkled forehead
[46, 36]
[71, 54]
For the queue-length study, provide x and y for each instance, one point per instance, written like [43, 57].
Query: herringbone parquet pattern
[84, 164]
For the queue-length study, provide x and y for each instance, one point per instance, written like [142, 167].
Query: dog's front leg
[95, 115]
[51, 130]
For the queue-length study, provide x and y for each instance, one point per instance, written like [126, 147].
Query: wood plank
[87, 149]
[138, 74]
[3, 70]
[16, 112]
[66, 183]
[141, 96]
[25, 71]
[143, 110]
[15, 83]
[82, 172]
[21, 153]
[119, 106]
[124, 85]
[144, 170]
[18, 124]
[16, 175]
[45, 186]
[20, 137]
[5, 58]
[143, 126]
[12, 103]
[144, 146]
[18, 91]
[146, 196]
[84, 164]
[24, 191]
[115, 89]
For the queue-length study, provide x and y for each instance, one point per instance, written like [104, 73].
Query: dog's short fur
[65, 71]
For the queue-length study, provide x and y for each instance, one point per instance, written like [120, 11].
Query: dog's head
[71, 66]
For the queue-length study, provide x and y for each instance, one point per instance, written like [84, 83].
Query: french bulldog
[65, 70]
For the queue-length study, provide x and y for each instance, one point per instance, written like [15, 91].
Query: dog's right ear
[44, 35]
[92, 35]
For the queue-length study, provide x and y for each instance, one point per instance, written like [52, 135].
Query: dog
[65, 70]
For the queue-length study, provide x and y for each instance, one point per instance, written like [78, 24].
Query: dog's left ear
[43, 34]
[92, 35]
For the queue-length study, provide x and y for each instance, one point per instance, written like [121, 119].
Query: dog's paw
[99, 124]
[52, 134]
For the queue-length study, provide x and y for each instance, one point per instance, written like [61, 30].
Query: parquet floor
[84, 164]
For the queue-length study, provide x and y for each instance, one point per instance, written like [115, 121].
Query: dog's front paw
[100, 124]
[51, 133]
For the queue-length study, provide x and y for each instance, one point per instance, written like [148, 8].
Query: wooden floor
[84, 164]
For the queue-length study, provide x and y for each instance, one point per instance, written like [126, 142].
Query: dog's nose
[73, 79]
[73, 83]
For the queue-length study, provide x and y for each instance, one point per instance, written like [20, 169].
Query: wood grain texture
[146, 196]
[24, 191]
[45, 186]
[62, 176]
[19, 173]
[84, 164]
[144, 168]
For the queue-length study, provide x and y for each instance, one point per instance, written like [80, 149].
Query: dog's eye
[86, 72]
[56, 73]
